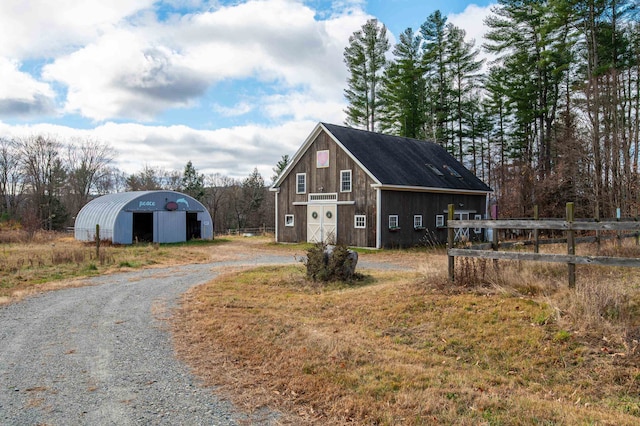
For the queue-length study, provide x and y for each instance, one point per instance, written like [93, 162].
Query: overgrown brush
[330, 263]
[603, 306]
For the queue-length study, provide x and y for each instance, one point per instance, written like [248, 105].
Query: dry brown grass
[411, 348]
[48, 261]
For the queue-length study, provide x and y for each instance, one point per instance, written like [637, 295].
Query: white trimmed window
[477, 217]
[417, 221]
[393, 221]
[439, 220]
[345, 180]
[288, 220]
[360, 221]
[301, 183]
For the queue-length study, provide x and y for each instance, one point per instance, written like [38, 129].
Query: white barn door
[322, 223]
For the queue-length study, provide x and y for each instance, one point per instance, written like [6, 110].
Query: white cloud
[241, 108]
[124, 63]
[139, 71]
[472, 21]
[233, 152]
[20, 94]
[44, 28]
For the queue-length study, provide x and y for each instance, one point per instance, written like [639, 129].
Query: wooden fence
[569, 226]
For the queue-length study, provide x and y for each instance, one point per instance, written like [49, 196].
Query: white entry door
[461, 233]
[321, 223]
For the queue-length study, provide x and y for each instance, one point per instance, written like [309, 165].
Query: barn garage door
[321, 223]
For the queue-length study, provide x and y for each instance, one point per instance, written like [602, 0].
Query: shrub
[330, 263]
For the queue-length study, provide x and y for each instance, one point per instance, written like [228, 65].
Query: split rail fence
[569, 226]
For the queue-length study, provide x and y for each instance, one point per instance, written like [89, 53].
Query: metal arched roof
[105, 210]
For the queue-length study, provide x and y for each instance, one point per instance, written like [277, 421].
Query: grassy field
[48, 261]
[513, 347]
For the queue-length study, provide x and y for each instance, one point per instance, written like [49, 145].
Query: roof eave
[431, 189]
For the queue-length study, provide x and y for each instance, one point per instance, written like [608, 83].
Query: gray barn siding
[328, 179]
[407, 204]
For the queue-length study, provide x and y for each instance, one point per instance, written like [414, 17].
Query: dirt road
[102, 355]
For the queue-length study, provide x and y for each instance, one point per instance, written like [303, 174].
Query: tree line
[45, 181]
[551, 117]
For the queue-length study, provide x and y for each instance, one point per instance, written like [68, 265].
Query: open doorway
[143, 227]
[193, 227]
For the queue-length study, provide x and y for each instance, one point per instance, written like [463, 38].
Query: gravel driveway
[102, 354]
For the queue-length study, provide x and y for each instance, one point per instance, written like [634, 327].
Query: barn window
[360, 221]
[477, 230]
[301, 180]
[345, 180]
[393, 221]
[322, 159]
[439, 220]
[417, 221]
[288, 220]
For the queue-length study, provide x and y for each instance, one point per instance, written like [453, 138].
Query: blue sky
[228, 85]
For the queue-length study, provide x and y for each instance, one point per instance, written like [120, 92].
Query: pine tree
[192, 182]
[279, 167]
[463, 69]
[433, 32]
[404, 89]
[365, 59]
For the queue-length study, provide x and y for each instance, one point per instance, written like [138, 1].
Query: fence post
[97, 241]
[571, 246]
[494, 244]
[597, 231]
[618, 233]
[450, 235]
[536, 242]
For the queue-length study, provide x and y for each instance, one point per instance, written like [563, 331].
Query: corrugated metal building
[152, 216]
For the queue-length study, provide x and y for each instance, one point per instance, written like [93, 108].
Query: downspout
[378, 218]
[276, 209]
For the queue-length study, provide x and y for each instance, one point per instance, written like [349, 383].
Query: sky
[228, 85]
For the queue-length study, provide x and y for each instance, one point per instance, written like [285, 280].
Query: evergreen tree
[192, 182]
[279, 167]
[435, 64]
[365, 59]
[463, 69]
[404, 89]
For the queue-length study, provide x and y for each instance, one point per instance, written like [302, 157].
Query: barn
[367, 189]
[150, 216]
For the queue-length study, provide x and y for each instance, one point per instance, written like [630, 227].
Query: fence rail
[254, 231]
[569, 226]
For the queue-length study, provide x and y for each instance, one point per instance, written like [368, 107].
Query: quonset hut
[151, 216]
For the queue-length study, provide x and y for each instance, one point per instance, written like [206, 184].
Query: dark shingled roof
[395, 160]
